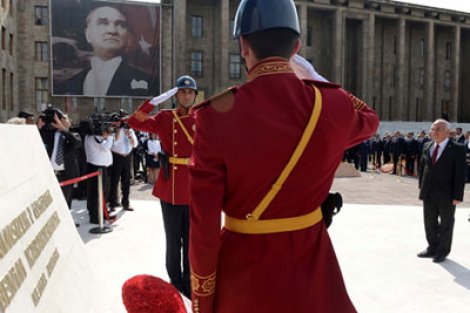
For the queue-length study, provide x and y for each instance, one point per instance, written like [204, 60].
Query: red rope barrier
[78, 179]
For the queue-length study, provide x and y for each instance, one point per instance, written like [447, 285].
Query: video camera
[98, 123]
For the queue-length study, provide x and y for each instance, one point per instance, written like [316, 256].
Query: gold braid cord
[358, 104]
[203, 286]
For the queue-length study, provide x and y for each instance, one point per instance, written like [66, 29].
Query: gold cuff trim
[181, 161]
[277, 225]
[141, 116]
[203, 286]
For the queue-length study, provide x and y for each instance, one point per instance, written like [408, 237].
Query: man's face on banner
[107, 32]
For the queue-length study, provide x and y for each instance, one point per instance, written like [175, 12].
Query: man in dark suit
[397, 144]
[441, 184]
[108, 74]
[62, 146]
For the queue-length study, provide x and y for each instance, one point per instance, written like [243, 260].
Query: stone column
[224, 47]
[180, 38]
[303, 19]
[400, 112]
[338, 37]
[368, 59]
[454, 105]
[167, 65]
[429, 110]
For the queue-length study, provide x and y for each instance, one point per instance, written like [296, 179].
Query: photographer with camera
[98, 143]
[61, 145]
[125, 141]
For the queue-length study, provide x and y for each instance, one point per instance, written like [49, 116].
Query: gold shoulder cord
[312, 123]
[190, 139]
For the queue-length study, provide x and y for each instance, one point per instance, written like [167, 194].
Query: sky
[456, 5]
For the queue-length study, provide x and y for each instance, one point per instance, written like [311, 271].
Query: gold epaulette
[203, 286]
[221, 102]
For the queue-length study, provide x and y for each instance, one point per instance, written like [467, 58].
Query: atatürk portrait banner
[105, 48]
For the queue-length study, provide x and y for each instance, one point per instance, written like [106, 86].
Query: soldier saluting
[273, 253]
[176, 131]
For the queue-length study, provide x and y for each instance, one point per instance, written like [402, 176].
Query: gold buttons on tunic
[175, 131]
[175, 143]
[175, 167]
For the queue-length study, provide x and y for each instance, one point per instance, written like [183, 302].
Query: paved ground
[376, 237]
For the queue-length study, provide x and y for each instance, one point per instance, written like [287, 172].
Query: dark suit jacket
[446, 180]
[121, 84]
[71, 145]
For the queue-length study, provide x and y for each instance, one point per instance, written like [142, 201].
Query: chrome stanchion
[100, 229]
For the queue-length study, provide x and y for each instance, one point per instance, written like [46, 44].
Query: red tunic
[244, 139]
[174, 142]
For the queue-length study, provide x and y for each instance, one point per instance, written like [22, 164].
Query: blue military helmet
[258, 15]
[186, 82]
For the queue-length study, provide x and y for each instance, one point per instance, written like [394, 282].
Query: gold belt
[182, 161]
[277, 225]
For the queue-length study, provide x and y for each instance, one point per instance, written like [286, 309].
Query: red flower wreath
[150, 294]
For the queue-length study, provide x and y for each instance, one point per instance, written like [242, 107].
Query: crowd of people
[399, 154]
[122, 154]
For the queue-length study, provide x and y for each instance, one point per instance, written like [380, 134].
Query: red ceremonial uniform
[175, 143]
[244, 139]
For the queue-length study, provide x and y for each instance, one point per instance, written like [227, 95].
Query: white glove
[164, 96]
[304, 69]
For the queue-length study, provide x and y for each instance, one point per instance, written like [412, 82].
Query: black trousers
[66, 190]
[410, 164]
[439, 225]
[176, 222]
[395, 158]
[92, 191]
[120, 170]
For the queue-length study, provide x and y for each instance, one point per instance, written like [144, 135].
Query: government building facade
[408, 62]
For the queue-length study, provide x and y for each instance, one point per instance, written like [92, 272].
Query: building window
[196, 63]
[41, 85]
[309, 36]
[41, 15]
[234, 70]
[41, 51]
[196, 26]
[4, 38]
[99, 104]
[421, 78]
[11, 44]
[4, 89]
[12, 107]
[422, 47]
[448, 50]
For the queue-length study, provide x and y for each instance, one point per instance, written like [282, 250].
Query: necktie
[126, 143]
[434, 155]
[59, 156]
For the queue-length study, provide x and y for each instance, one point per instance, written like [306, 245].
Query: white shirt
[123, 145]
[154, 146]
[54, 153]
[442, 146]
[99, 78]
[99, 153]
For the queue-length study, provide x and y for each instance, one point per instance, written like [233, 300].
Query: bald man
[441, 184]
